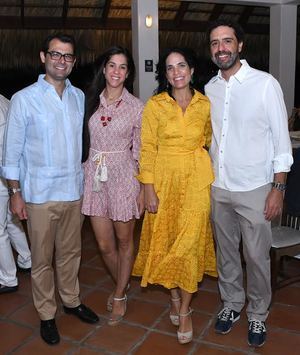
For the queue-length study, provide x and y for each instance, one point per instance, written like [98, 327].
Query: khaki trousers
[239, 216]
[54, 228]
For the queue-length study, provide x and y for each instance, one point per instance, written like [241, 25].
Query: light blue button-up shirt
[43, 142]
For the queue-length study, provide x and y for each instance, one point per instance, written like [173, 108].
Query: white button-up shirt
[3, 113]
[250, 129]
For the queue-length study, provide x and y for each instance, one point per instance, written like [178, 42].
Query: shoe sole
[51, 343]
[229, 330]
[114, 322]
[256, 345]
[8, 291]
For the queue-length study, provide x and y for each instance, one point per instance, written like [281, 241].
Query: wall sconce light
[148, 21]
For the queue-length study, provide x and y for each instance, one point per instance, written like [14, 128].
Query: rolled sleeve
[278, 119]
[148, 144]
[146, 177]
[282, 163]
[10, 173]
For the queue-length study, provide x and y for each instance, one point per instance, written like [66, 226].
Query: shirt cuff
[10, 172]
[146, 178]
[282, 163]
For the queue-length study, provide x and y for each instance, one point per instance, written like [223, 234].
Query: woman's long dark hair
[190, 57]
[98, 85]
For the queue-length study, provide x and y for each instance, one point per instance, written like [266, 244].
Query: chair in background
[286, 243]
[286, 237]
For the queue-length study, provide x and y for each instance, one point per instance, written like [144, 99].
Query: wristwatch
[13, 190]
[279, 186]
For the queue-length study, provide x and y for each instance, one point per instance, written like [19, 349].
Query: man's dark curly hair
[238, 31]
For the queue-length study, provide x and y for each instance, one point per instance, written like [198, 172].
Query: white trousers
[11, 234]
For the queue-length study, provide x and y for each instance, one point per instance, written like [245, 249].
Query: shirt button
[226, 103]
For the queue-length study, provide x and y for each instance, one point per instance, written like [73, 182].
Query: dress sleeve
[148, 144]
[136, 139]
[208, 131]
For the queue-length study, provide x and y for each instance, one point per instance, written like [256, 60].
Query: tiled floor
[146, 328]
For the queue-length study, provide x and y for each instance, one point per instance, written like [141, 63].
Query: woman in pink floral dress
[113, 197]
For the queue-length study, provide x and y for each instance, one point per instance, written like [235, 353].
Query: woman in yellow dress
[176, 246]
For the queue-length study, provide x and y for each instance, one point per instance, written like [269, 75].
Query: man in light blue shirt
[42, 165]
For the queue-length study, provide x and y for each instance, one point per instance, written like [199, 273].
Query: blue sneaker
[257, 333]
[225, 320]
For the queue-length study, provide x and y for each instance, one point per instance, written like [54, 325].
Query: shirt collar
[164, 96]
[239, 75]
[242, 72]
[125, 96]
[45, 85]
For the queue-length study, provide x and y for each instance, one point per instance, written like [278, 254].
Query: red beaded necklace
[106, 119]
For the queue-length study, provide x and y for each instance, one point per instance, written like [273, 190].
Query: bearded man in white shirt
[251, 154]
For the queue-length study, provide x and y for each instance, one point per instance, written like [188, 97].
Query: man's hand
[151, 199]
[274, 203]
[18, 206]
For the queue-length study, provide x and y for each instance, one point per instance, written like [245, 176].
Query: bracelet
[279, 186]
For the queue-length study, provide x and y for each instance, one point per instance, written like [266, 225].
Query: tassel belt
[101, 173]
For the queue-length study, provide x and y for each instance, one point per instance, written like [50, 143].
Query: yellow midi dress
[176, 246]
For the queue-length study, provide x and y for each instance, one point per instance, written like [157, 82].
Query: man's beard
[225, 65]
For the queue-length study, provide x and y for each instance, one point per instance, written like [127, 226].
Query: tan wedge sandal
[115, 319]
[174, 318]
[185, 337]
[111, 298]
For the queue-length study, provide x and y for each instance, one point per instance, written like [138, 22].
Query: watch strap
[279, 186]
[13, 190]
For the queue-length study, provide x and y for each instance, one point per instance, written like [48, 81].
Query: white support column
[283, 36]
[144, 46]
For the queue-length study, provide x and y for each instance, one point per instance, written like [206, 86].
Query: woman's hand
[141, 200]
[151, 199]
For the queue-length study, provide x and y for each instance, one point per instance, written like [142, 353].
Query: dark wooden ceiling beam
[22, 12]
[181, 12]
[14, 22]
[216, 12]
[112, 24]
[65, 11]
[106, 11]
[201, 26]
[244, 18]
